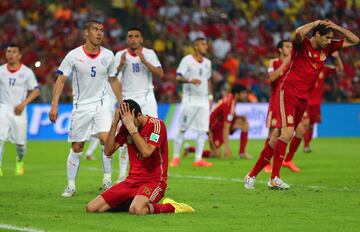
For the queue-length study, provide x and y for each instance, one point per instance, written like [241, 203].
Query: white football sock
[179, 139]
[73, 163]
[107, 163]
[94, 142]
[2, 143]
[200, 142]
[20, 150]
[123, 162]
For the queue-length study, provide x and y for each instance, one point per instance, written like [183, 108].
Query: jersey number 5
[12, 81]
[93, 71]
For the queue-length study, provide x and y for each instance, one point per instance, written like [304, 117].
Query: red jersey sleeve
[120, 138]
[229, 108]
[334, 46]
[157, 134]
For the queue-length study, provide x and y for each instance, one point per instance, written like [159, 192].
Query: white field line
[18, 228]
[240, 180]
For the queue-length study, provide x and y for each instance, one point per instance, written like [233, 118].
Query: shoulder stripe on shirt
[157, 125]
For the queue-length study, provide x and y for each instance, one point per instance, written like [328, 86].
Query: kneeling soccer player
[139, 193]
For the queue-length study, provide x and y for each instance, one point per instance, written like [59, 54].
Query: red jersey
[318, 91]
[305, 66]
[155, 167]
[275, 84]
[223, 112]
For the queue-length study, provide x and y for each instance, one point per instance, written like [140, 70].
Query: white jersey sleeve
[65, 67]
[31, 82]
[183, 68]
[153, 59]
[112, 68]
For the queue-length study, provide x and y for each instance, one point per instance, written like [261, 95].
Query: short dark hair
[12, 45]
[199, 39]
[322, 29]
[238, 89]
[135, 29]
[133, 105]
[91, 22]
[281, 43]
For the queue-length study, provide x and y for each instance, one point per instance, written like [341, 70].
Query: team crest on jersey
[154, 137]
[104, 61]
[290, 119]
[129, 139]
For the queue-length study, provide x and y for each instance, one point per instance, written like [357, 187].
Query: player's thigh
[153, 191]
[202, 118]
[102, 120]
[149, 106]
[239, 122]
[4, 123]
[287, 110]
[118, 195]
[187, 115]
[18, 128]
[81, 125]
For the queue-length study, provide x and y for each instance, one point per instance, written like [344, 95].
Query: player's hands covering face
[128, 118]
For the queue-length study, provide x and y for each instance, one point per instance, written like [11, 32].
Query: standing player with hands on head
[194, 72]
[147, 143]
[308, 59]
[18, 87]
[91, 67]
[136, 67]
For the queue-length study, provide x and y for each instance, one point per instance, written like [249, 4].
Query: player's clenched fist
[53, 114]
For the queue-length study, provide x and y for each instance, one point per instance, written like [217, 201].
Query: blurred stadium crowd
[242, 36]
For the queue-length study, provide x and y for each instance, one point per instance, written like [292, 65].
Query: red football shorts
[271, 118]
[314, 112]
[217, 134]
[121, 195]
[291, 110]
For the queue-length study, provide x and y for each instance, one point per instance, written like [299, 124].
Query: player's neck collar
[133, 53]
[13, 70]
[197, 59]
[92, 56]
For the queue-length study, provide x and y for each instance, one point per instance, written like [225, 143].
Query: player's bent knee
[90, 208]
[77, 147]
[136, 210]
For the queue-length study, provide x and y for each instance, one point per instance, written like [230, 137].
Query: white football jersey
[14, 85]
[89, 74]
[189, 68]
[135, 77]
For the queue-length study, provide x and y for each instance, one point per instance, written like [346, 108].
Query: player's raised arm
[338, 61]
[350, 40]
[156, 71]
[58, 88]
[128, 118]
[301, 31]
[111, 145]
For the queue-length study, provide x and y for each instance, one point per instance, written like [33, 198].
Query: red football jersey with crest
[305, 66]
[155, 167]
[223, 112]
[318, 91]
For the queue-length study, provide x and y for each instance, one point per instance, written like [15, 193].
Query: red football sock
[311, 132]
[160, 208]
[264, 159]
[295, 142]
[243, 141]
[191, 149]
[206, 154]
[306, 138]
[279, 153]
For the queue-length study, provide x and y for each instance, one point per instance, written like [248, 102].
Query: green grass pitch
[324, 196]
